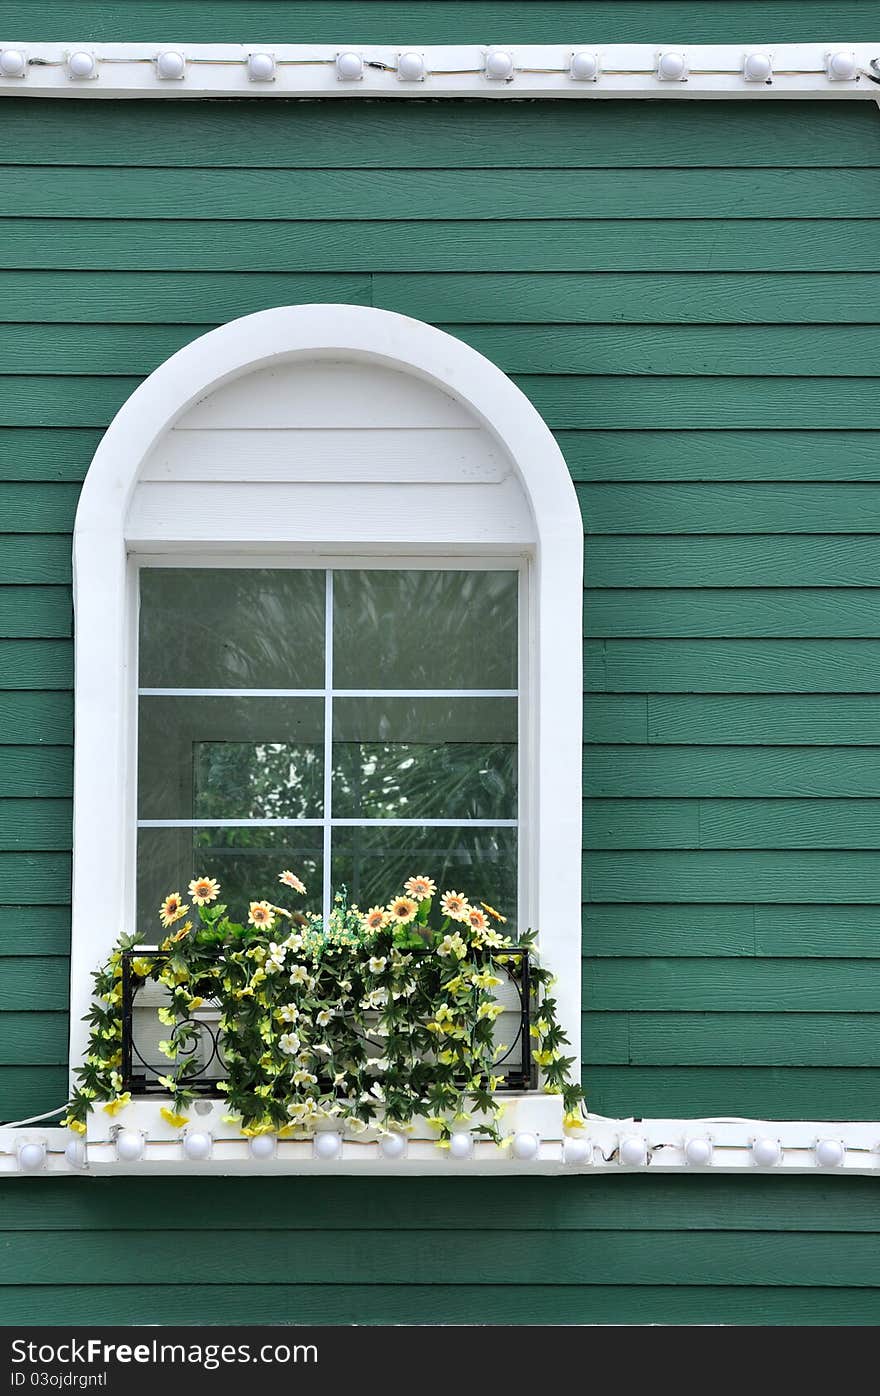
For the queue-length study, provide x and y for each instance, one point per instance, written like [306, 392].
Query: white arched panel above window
[328, 437]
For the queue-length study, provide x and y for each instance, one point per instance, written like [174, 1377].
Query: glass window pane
[374, 862]
[231, 628]
[231, 758]
[417, 758]
[424, 629]
[246, 863]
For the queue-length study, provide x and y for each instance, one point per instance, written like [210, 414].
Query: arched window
[327, 584]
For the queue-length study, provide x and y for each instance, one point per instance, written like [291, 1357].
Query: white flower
[294, 941]
[304, 1078]
[377, 1091]
[289, 1013]
[324, 1017]
[322, 1047]
[339, 1078]
[289, 1043]
[299, 975]
[275, 958]
[356, 1126]
[452, 945]
[377, 964]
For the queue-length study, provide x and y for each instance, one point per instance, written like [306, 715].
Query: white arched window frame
[106, 560]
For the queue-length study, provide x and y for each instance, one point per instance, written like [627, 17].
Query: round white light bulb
[830, 1153]
[261, 67]
[393, 1145]
[842, 66]
[766, 1152]
[411, 67]
[171, 64]
[13, 63]
[499, 64]
[349, 66]
[129, 1145]
[576, 1149]
[81, 64]
[633, 1151]
[671, 66]
[197, 1144]
[525, 1145]
[262, 1146]
[461, 1144]
[584, 66]
[75, 1153]
[31, 1157]
[698, 1152]
[757, 67]
[328, 1144]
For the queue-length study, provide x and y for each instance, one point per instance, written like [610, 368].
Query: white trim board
[825, 70]
[662, 1145]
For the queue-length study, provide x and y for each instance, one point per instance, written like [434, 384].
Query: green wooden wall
[689, 293]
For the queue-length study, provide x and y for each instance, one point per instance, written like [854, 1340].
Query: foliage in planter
[298, 1013]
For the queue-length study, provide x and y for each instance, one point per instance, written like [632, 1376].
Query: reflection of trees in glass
[409, 780]
[247, 863]
[268, 780]
[374, 863]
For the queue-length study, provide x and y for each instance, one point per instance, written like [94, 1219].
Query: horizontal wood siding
[690, 294]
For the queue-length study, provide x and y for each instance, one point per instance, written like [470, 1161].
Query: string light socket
[262, 1146]
[461, 1144]
[525, 1145]
[584, 66]
[830, 1153]
[349, 66]
[392, 1145]
[411, 67]
[197, 1144]
[261, 67]
[672, 66]
[327, 1144]
[633, 1151]
[82, 65]
[498, 65]
[758, 67]
[130, 1145]
[766, 1152]
[841, 66]
[577, 1149]
[75, 1152]
[13, 63]
[171, 65]
[31, 1155]
[698, 1151]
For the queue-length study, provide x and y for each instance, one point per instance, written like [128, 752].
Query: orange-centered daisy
[403, 909]
[204, 890]
[261, 914]
[291, 880]
[476, 920]
[421, 887]
[376, 918]
[172, 909]
[492, 912]
[455, 904]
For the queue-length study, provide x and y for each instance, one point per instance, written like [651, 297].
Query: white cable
[34, 1119]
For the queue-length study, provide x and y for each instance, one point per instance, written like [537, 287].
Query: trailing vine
[369, 1020]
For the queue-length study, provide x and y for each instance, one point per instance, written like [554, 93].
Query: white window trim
[105, 662]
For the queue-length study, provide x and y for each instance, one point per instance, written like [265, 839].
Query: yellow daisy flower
[291, 880]
[403, 910]
[455, 905]
[420, 887]
[204, 890]
[492, 912]
[172, 909]
[261, 914]
[375, 919]
[476, 920]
